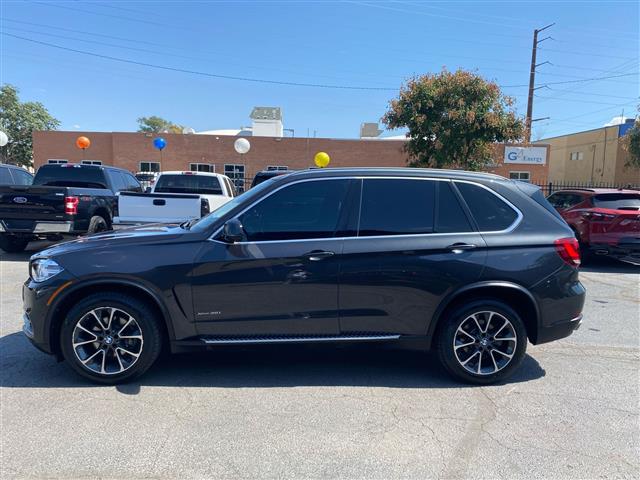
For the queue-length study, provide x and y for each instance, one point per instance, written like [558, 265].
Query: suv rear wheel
[483, 342]
[110, 338]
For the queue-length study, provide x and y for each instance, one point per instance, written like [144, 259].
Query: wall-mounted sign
[528, 155]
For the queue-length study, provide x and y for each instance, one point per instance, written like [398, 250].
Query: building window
[57, 161]
[91, 162]
[149, 167]
[522, 176]
[277, 167]
[577, 156]
[202, 167]
[236, 173]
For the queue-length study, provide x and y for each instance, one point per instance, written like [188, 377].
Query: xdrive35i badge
[19, 200]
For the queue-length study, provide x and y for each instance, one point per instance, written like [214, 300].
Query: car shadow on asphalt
[372, 365]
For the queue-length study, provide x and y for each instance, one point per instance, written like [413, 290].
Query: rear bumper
[558, 330]
[625, 248]
[36, 227]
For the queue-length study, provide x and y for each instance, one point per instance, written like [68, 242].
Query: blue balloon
[159, 143]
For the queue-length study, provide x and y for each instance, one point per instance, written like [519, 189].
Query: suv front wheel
[110, 338]
[483, 342]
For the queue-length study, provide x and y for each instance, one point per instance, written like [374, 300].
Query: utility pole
[532, 79]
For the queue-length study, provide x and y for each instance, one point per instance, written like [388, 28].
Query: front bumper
[38, 300]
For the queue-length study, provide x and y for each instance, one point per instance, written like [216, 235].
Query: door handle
[318, 255]
[460, 247]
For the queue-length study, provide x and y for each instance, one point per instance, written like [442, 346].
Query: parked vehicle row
[64, 200]
[605, 221]
[471, 265]
[175, 197]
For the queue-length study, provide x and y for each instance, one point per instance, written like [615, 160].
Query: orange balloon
[83, 142]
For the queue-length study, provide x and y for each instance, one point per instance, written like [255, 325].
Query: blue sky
[364, 43]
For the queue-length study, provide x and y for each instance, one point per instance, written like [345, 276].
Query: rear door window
[490, 212]
[397, 207]
[5, 176]
[20, 177]
[450, 216]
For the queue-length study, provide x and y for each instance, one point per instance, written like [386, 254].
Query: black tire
[13, 244]
[489, 350]
[146, 325]
[97, 224]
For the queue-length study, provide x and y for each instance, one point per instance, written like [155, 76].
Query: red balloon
[83, 142]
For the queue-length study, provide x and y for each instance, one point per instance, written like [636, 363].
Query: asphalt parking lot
[334, 412]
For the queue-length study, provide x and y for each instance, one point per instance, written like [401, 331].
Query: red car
[606, 221]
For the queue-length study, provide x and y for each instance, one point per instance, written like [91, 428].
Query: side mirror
[147, 190]
[232, 231]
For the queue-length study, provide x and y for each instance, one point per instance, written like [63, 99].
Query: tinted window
[200, 184]
[450, 216]
[70, 176]
[5, 176]
[117, 180]
[616, 201]
[132, 184]
[397, 207]
[490, 212]
[20, 177]
[303, 210]
[565, 200]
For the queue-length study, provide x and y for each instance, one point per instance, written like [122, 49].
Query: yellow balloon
[322, 159]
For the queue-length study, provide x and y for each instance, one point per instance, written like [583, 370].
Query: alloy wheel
[107, 340]
[485, 342]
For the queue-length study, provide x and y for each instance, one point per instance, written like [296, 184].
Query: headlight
[43, 269]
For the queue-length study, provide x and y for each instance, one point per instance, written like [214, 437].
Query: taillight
[569, 250]
[71, 205]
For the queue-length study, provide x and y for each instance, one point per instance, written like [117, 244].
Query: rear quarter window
[617, 201]
[490, 212]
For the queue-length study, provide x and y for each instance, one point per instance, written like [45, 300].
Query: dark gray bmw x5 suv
[471, 265]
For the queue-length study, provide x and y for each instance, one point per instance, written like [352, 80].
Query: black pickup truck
[64, 200]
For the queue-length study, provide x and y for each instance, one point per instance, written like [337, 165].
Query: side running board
[298, 339]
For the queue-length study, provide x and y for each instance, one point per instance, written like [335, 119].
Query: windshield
[181, 183]
[617, 201]
[205, 222]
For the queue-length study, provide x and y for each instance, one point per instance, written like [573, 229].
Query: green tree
[453, 119]
[18, 120]
[632, 144]
[156, 124]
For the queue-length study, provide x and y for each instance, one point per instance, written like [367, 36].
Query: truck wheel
[110, 338]
[13, 244]
[97, 224]
[482, 342]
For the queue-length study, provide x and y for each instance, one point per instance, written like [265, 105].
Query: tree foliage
[453, 119]
[156, 124]
[18, 120]
[632, 144]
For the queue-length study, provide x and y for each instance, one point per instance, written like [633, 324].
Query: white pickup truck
[174, 198]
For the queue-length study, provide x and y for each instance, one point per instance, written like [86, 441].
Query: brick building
[135, 152]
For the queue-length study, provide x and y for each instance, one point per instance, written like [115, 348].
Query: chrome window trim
[509, 229]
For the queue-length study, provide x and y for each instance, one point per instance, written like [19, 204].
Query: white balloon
[242, 145]
[3, 139]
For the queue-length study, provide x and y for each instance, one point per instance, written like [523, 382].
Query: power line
[258, 80]
[205, 74]
[576, 100]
